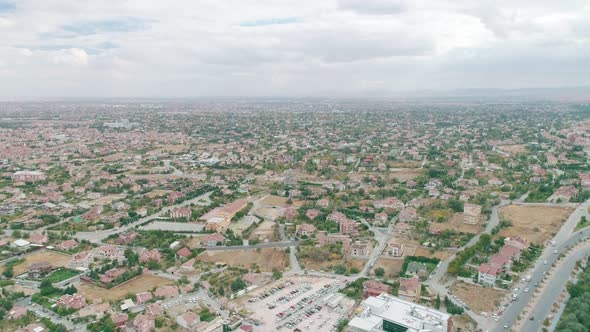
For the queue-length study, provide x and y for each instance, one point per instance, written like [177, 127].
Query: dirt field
[56, 259]
[271, 200]
[137, 285]
[265, 231]
[158, 193]
[455, 222]
[405, 174]
[391, 266]
[513, 149]
[268, 213]
[478, 298]
[239, 226]
[463, 323]
[441, 254]
[266, 258]
[534, 223]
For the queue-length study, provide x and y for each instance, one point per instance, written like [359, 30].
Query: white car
[526, 290]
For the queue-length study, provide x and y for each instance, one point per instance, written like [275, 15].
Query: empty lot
[265, 258]
[478, 298]
[535, 223]
[142, 283]
[56, 259]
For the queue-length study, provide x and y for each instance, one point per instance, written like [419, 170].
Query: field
[140, 284]
[391, 266]
[513, 149]
[61, 275]
[405, 174]
[158, 193]
[265, 231]
[455, 223]
[56, 259]
[440, 254]
[273, 201]
[479, 299]
[535, 223]
[239, 226]
[268, 213]
[265, 258]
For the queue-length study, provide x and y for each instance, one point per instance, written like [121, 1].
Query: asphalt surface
[564, 240]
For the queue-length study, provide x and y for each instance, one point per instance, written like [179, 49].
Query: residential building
[75, 301]
[374, 288]
[305, 229]
[39, 270]
[189, 320]
[28, 176]
[150, 255]
[410, 289]
[212, 240]
[219, 218]
[487, 274]
[394, 249]
[361, 249]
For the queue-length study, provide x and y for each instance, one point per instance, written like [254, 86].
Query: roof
[489, 269]
[21, 243]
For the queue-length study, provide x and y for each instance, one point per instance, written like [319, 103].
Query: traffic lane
[511, 314]
[558, 283]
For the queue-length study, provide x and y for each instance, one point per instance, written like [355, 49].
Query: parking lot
[295, 302]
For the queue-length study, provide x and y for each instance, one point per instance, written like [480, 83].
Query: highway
[555, 285]
[564, 240]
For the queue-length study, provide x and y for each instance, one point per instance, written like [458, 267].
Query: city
[283, 215]
[295, 166]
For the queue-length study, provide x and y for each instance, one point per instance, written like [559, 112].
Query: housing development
[293, 215]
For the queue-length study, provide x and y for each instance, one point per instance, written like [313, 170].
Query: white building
[386, 313]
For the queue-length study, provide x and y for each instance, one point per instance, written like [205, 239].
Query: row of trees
[576, 316]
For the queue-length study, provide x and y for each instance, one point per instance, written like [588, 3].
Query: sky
[201, 48]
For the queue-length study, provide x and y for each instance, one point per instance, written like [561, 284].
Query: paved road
[382, 236]
[564, 240]
[46, 313]
[281, 244]
[557, 283]
[98, 236]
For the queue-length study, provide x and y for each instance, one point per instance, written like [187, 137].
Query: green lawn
[60, 275]
[582, 224]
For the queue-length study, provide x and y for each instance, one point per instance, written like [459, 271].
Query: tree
[276, 273]
[380, 272]
[437, 302]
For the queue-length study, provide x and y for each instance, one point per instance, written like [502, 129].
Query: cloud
[375, 7]
[304, 47]
[270, 21]
[71, 56]
[127, 24]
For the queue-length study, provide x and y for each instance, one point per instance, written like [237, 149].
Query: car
[526, 290]
[545, 262]
[554, 252]
[506, 326]
[532, 318]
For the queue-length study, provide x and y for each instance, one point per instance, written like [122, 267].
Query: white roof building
[389, 313]
[21, 243]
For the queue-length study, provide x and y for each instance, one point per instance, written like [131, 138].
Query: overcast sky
[149, 48]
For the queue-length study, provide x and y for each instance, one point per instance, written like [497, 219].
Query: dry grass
[56, 259]
[271, 200]
[478, 298]
[142, 283]
[535, 223]
[514, 149]
[391, 266]
[405, 174]
[455, 223]
[265, 231]
[265, 258]
[425, 252]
